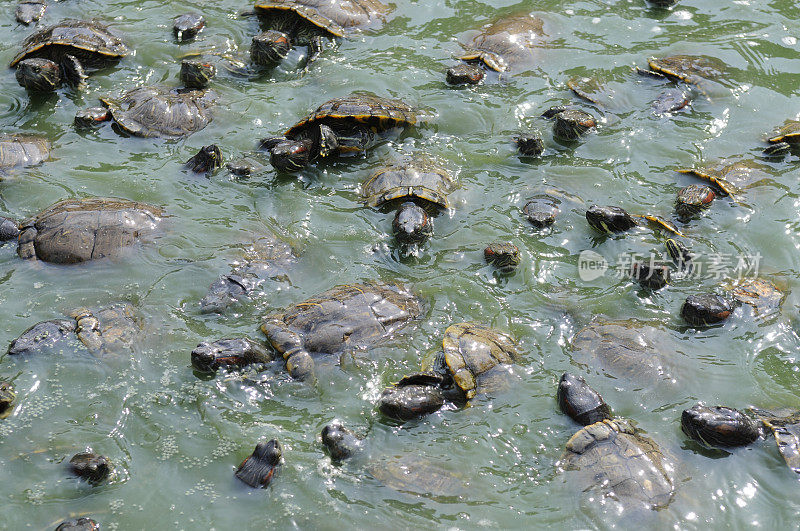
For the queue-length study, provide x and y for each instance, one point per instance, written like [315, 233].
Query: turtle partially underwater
[419, 186]
[106, 330]
[695, 70]
[7, 396]
[759, 293]
[612, 457]
[611, 219]
[338, 126]
[30, 11]
[267, 257]
[289, 23]
[347, 316]
[786, 137]
[506, 45]
[22, 150]
[475, 359]
[154, 111]
[78, 230]
[408, 472]
[61, 52]
[730, 177]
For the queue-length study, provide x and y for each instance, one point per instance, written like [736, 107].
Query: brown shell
[789, 132]
[692, 69]
[77, 230]
[417, 178]
[23, 150]
[730, 176]
[91, 42]
[379, 114]
[506, 44]
[161, 112]
[762, 294]
[337, 17]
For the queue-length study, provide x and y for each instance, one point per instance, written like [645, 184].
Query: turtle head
[465, 74]
[9, 230]
[412, 224]
[718, 426]
[291, 155]
[91, 467]
[39, 75]
[609, 219]
[92, 116]
[207, 159]
[210, 356]
[7, 397]
[270, 47]
[414, 396]
[260, 468]
[340, 442]
[196, 73]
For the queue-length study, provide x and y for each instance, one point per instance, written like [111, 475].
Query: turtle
[78, 524]
[105, 330]
[197, 73]
[786, 430]
[613, 458]
[22, 150]
[577, 399]
[154, 111]
[569, 124]
[691, 69]
[262, 466]
[591, 89]
[623, 349]
[90, 467]
[762, 294]
[502, 255]
[787, 136]
[236, 352]
[692, 199]
[408, 472]
[346, 316]
[610, 219]
[187, 26]
[416, 182]
[529, 144]
[287, 23]
[267, 257]
[506, 45]
[719, 427]
[61, 53]
[705, 309]
[541, 210]
[475, 359]
[7, 396]
[341, 125]
[680, 254]
[663, 3]
[730, 177]
[78, 230]
[30, 11]
[650, 275]
[209, 158]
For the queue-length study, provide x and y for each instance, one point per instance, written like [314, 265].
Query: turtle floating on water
[475, 359]
[786, 137]
[695, 70]
[730, 177]
[78, 230]
[419, 186]
[106, 330]
[693, 199]
[90, 467]
[22, 150]
[611, 219]
[290, 23]
[30, 11]
[705, 309]
[502, 255]
[60, 53]
[759, 293]
[569, 124]
[342, 125]
[347, 316]
[506, 45]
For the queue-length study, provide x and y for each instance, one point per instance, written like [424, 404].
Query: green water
[175, 438]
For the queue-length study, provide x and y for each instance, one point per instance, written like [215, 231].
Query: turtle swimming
[18, 151]
[611, 219]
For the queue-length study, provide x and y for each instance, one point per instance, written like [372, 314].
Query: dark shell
[262, 466]
[571, 124]
[542, 210]
[689, 68]
[507, 44]
[609, 219]
[337, 17]
[90, 467]
[407, 401]
[705, 309]
[651, 276]
[502, 255]
[578, 400]
[789, 132]
[378, 114]
[23, 150]
[161, 112]
[610, 457]
[77, 230]
[719, 427]
[692, 199]
[78, 524]
[419, 178]
[91, 42]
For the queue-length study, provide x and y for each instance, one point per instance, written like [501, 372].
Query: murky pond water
[175, 438]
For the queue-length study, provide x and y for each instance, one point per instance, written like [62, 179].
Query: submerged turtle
[570, 124]
[78, 524]
[475, 359]
[502, 255]
[705, 309]
[503, 46]
[405, 473]
[610, 219]
[419, 182]
[288, 23]
[692, 199]
[7, 396]
[154, 112]
[268, 257]
[347, 316]
[730, 177]
[341, 125]
[762, 294]
[90, 467]
[109, 329]
[30, 11]
[692, 69]
[613, 458]
[22, 150]
[61, 53]
[78, 230]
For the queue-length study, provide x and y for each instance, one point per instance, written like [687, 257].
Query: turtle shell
[787, 434]
[376, 113]
[730, 177]
[337, 17]
[77, 230]
[591, 89]
[472, 350]
[763, 295]
[351, 315]
[109, 329]
[692, 69]
[790, 132]
[91, 42]
[161, 112]
[506, 44]
[22, 150]
[610, 456]
[414, 474]
[418, 178]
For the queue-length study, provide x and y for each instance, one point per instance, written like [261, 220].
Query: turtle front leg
[299, 362]
[73, 73]
[315, 46]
